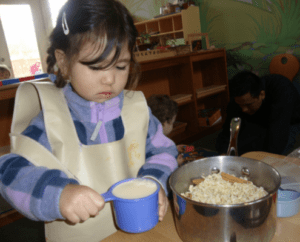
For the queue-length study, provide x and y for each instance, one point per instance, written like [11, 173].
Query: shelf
[167, 33]
[210, 90]
[9, 91]
[194, 86]
[158, 18]
[208, 55]
[182, 99]
[164, 62]
[178, 25]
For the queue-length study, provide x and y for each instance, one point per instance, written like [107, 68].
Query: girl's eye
[95, 68]
[98, 68]
[121, 67]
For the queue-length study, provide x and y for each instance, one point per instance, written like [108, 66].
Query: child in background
[4, 72]
[90, 134]
[165, 110]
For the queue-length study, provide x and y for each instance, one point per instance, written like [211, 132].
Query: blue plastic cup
[288, 202]
[134, 215]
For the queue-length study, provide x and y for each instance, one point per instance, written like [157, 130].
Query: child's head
[93, 41]
[165, 110]
[4, 72]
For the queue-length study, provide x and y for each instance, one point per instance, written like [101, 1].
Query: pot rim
[238, 205]
[270, 195]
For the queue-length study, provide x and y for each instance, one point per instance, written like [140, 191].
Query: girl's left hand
[163, 204]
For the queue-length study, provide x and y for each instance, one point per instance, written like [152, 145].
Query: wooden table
[288, 229]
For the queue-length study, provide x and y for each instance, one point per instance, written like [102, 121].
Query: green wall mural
[251, 31]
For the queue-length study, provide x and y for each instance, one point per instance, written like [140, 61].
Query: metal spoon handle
[235, 125]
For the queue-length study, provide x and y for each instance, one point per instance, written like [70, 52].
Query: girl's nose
[108, 77]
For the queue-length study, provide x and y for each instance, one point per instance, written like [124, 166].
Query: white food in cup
[134, 189]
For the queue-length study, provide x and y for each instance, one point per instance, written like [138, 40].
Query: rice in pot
[215, 190]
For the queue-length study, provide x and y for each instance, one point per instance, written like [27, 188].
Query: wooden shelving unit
[197, 80]
[178, 128]
[175, 26]
[210, 90]
[182, 99]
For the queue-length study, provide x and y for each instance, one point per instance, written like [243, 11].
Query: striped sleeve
[161, 153]
[32, 190]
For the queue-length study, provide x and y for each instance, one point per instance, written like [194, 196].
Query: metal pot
[253, 221]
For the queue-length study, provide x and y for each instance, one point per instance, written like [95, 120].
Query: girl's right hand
[78, 203]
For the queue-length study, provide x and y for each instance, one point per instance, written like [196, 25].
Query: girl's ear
[61, 61]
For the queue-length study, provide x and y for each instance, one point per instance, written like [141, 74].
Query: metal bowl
[252, 221]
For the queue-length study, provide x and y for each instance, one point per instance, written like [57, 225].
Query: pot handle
[235, 125]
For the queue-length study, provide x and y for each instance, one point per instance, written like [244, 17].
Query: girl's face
[94, 84]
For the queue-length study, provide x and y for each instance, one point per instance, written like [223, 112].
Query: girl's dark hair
[163, 107]
[105, 23]
[245, 82]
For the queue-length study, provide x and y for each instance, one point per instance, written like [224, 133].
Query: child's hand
[185, 148]
[181, 148]
[163, 204]
[180, 159]
[78, 203]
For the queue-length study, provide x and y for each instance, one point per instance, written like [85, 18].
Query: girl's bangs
[104, 43]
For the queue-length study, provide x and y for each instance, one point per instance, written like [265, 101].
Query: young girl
[90, 134]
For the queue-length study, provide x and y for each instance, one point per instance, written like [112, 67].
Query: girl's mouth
[105, 93]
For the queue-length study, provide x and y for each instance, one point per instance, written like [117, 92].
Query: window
[22, 57]
[25, 26]
[55, 6]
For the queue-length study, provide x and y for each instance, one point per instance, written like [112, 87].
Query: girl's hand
[78, 203]
[163, 204]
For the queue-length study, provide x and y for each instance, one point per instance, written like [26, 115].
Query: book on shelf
[204, 91]
[180, 98]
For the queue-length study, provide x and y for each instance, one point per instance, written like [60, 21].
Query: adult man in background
[269, 108]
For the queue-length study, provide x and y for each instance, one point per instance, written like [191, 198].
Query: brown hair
[163, 107]
[107, 24]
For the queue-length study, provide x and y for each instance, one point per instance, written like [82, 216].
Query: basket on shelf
[209, 117]
[181, 49]
[153, 54]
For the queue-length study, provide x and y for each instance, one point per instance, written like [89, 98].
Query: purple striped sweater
[35, 191]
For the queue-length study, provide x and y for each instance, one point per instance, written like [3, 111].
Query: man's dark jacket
[268, 129]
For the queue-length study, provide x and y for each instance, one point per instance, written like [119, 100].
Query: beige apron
[97, 166]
